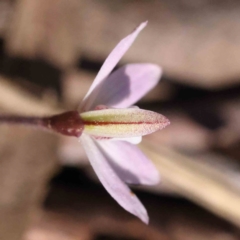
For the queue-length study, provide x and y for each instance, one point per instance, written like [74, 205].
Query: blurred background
[50, 52]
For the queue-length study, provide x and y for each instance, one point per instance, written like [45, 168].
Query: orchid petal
[131, 165]
[133, 140]
[111, 61]
[110, 180]
[126, 85]
[122, 123]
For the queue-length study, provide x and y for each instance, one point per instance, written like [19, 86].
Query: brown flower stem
[68, 123]
[23, 120]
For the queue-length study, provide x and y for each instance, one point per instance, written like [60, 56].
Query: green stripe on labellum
[122, 123]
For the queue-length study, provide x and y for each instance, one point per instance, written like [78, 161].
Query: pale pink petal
[126, 86]
[133, 140]
[130, 163]
[110, 180]
[111, 61]
[122, 123]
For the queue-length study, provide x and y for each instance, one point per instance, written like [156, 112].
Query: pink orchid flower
[107, 126]
[110, 126]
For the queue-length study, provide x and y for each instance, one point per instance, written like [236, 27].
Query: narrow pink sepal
[110, 180]
[111, 61]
